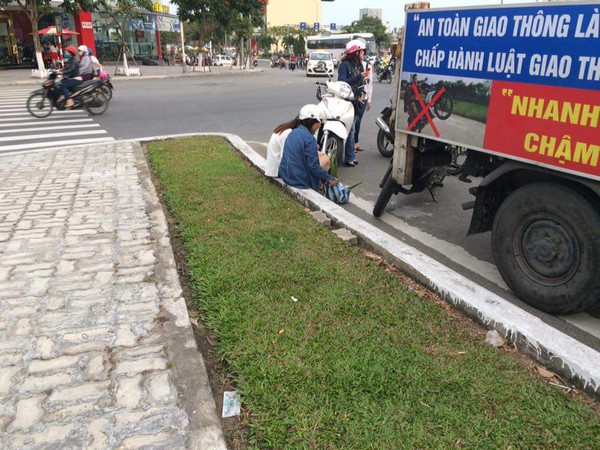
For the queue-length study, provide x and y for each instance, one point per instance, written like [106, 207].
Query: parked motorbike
[274, 63]
[88, 95]
[428, 172]
[385, 135]
[336, 102]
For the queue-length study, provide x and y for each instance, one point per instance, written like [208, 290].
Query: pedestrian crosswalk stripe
[37, 122]
[51, 135]
[67, 112]
[21, 131]
[42, 119]
[51, 144]
[55, 127]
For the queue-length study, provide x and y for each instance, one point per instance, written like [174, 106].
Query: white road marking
[36, 122]
[50, 135]
[67, 125]
[54, 144]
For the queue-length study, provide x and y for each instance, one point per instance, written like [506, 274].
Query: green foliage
[237, 16]
[373, 25]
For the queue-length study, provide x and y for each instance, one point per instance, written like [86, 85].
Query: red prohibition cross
[425, 109]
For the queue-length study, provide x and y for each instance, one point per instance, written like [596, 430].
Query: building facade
[95, 30]
[293, 12]
[369, 12]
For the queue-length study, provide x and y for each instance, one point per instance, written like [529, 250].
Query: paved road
[20, 131]
[251, 106]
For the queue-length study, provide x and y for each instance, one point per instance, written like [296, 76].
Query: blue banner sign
[555, 45]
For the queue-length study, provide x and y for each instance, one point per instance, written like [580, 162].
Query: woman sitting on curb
[302, 166]
[277, 142]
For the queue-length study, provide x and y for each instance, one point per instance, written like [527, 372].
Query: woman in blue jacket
[351, 71]
[302, 166]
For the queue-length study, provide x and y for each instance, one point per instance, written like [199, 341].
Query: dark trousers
[68, 85]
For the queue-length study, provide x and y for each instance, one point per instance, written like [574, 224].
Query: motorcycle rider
[351, 72]
[293, 60]
[301, 167]
[85, 63]
[411, 104]
[96, 66]
[71, 76]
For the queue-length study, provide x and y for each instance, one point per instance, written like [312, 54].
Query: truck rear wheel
[547, 247]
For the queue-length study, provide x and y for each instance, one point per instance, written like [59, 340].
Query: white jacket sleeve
[275, 152]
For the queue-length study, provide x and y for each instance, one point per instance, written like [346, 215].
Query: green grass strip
[358, 361]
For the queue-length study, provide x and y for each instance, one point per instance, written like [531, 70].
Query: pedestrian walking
[172, 51]
[54, 55]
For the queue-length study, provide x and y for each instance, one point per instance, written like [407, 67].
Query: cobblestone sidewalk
[96, 349]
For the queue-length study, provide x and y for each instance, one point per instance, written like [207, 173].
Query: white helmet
[355, 45]
[83, 48]
[311, 112]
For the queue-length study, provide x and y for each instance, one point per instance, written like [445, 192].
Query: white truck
[516, 87]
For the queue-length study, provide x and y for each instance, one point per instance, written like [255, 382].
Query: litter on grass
[231, 404]
[494, 339]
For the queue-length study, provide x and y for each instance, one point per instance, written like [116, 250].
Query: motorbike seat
[86, 84]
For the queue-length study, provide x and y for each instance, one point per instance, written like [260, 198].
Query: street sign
[177, 26]
[333, 27]
[317, 26]
[303, 25]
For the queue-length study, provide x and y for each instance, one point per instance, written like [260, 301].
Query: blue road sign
[317, 26]
[333, 27]
[177, 26]
[303, 25]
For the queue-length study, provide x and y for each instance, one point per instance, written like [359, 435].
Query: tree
[122, 12]
[233, 16]
[373, 25]
[34, 9]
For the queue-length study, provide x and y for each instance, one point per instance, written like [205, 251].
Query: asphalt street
[251, 107]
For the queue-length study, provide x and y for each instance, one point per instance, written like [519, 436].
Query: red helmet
[72, 50]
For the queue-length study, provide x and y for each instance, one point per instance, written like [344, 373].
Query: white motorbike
[336, 102]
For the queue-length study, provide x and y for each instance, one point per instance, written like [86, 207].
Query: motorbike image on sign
[339, 110]
[88, 95]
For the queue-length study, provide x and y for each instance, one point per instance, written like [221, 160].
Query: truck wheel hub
[549, 249]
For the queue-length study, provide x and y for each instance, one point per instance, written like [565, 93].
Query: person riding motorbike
[85, 63]
[282, 62]
[71, 76]
[410, 98]
[96, 66]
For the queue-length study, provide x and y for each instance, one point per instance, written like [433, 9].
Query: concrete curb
[558, 351]
[119, 78]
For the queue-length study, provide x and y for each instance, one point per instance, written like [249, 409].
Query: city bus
[336, 43]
